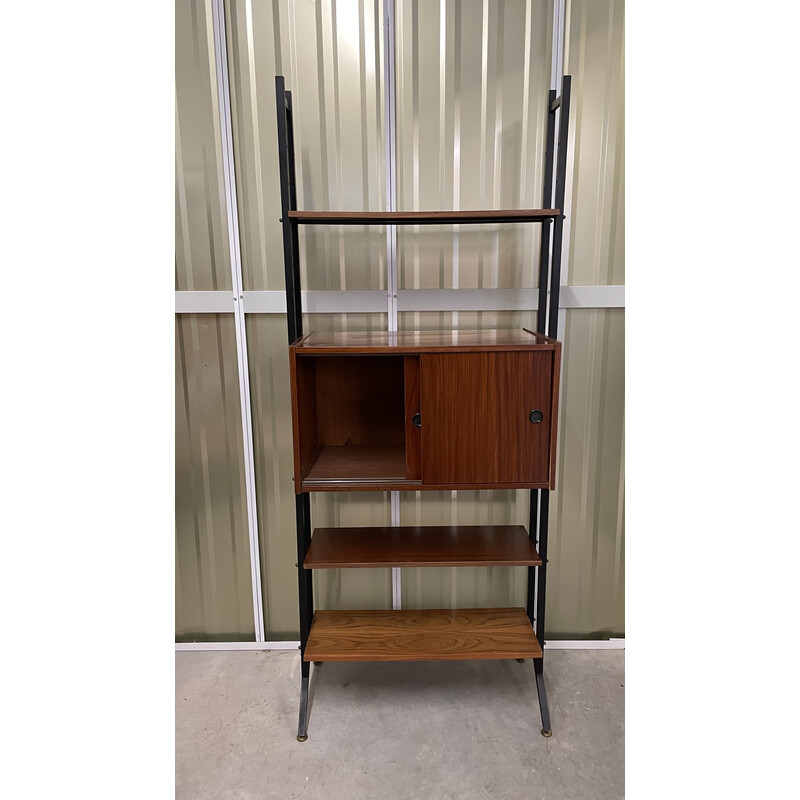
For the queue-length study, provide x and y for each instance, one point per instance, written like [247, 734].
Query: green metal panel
[595, 56]
[212, 559]
[331, 55]
[202, 258]
[214, 597]
[587, 545]
[472, 81]
[472, 84]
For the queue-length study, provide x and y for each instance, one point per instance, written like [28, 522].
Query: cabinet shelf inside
[422, 546]
[358, 463]
[424, 635]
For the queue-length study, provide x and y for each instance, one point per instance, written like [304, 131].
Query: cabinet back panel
[360, 400]
[305, 415]
[475, 424]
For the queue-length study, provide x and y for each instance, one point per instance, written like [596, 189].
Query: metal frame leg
[303, 513]
[538, 665]
[302, 724]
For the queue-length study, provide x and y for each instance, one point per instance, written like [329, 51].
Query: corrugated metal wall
[202, 259]
[214, 599]
[471, 84]
[331, 54]
[212, 560]
[586, 577]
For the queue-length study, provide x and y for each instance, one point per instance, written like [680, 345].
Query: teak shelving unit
[422, 411]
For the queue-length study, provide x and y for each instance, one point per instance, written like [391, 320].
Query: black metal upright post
[294, 322]
[549, 289]
[547, 200]
[558, 227]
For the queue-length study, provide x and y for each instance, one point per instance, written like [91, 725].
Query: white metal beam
[205, 302]
[229, 182]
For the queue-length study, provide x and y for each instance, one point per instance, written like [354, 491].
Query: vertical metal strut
[547, 323]
[294, 322]
[232, 214]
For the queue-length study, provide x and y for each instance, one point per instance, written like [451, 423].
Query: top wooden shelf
[422, 217]
[421, 341]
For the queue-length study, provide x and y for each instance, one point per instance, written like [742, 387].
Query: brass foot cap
[302, 738]
[545, 733]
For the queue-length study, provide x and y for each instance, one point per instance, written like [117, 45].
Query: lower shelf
[424, 635]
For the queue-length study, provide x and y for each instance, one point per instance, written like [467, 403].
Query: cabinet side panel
[304, 414]
[413, 433]
[475, 417]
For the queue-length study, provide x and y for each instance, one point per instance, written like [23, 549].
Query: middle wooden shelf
[422, 546]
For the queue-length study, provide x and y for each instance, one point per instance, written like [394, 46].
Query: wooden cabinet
[467, 410]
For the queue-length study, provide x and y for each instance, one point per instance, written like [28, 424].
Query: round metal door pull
[536, 416]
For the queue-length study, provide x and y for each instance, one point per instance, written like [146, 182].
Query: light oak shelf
[422, 546]
[425, 635]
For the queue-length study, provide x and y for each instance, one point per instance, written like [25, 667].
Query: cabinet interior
[352, 413]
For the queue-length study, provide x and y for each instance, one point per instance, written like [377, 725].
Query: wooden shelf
[422, 217]
[383, 342]
[422, 546]
[426, 635]
[363, 463]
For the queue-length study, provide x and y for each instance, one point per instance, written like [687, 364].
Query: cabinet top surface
[422, 341]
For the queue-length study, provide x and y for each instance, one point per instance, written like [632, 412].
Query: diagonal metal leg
[538, 665]
[302, 725]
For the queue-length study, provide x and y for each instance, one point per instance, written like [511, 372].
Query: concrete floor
[395, 731]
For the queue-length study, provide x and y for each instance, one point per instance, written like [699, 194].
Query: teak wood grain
[359, 400]
[422, 217]
[422, 546]
[426, 635]
[475, 417]
[304, 414]
[353, 463]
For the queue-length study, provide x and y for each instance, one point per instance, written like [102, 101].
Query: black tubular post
[303, 518]
[558, 228]
[298, 309]
[306, 544]
[306, 606]
[547, 199]
[541, 588]
[294, 324]
[533, 533]
[544, 513]
[546, 729]
[294, 317]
